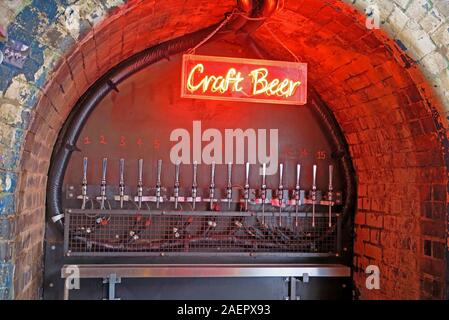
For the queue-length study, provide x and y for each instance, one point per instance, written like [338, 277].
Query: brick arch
[378, 92]
[389, 113]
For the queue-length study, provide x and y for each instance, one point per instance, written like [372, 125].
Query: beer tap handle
[177, 169]
[229, 188]
[281, 191]
[195, 171]
[103, 183]
[122, 181]
[230, 175]
[194, 185]
[330, 193]
[212, 175]
[298, 176]
[158, 183]
[122, 171]
[140, 184]
[84, 184]
[313, 195]
[85, 170]
[297, 192]
[263, 190]
[212, 186]
[264, 174]
[176, 188]
[104, 168]
[281, 174]
[140, 173]
[159, 170]
[246, 189]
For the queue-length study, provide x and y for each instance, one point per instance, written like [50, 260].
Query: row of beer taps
[282, 195]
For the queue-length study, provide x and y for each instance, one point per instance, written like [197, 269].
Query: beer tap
[297, 192]
[194, 185]
[122, 182]
[330, 194]
[158, 183]
[280, 192]
[103, 183]
[246, 188]
[84, 184]
[229, 187]
[176, 188]
[263, 190]
[140, 184]
[313, 195]
[212, 186]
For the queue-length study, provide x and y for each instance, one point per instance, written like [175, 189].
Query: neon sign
[238, 79]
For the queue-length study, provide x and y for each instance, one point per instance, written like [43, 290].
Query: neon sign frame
[236, 79]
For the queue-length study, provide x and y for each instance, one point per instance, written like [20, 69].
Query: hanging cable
[281, 43]
[210, 35]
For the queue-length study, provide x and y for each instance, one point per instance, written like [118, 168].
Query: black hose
[341, 153]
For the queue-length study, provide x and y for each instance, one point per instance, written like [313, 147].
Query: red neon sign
[238, 79]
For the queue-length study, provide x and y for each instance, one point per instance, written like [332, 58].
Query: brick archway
[390, 113]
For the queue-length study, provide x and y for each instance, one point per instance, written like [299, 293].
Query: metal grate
[197, 232]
